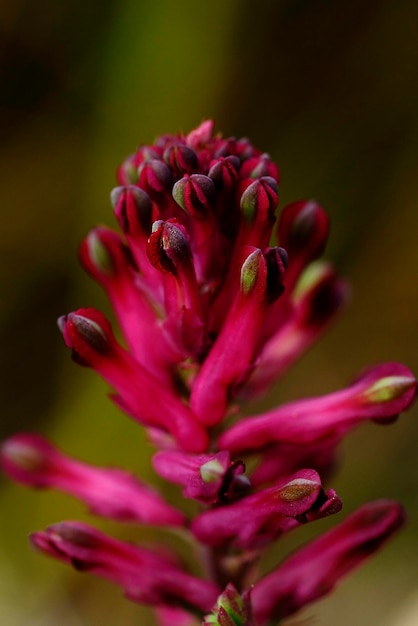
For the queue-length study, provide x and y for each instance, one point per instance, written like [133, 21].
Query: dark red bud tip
[319, 294]
[168, 245]
[245, 150]
[88, 333]
[194, 194]
[155, 177]
[235, 483]
[76, 533]
[259, 198]
[181, 159]
[259, 166]
[224, 172]
[133, 208]
[146, 153]
[276, 259]
[72, 542]
[328, 503]
[104, 255]
[303, 229]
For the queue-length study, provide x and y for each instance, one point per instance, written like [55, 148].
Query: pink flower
[258, 519]
[314, 570]
[211, 314]
[108, 492]
[379, 394]
[144, 575]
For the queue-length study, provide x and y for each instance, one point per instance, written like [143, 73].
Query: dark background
[330, 90]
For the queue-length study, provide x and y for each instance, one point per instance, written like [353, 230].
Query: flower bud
[259, 200]
[108, 492]
[208, 478]
[133, 209]
[127, 173]
[105, 257]
[379, 394]
[232, 609]
[259, 518]
[155, 177]
[194, 194]
[258, 167]
[181, 159]
[144, 575]
[224, 172]
[168, 246]
[88, 334]
[303, 230]
[138, 392]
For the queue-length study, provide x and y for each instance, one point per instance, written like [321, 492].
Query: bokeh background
[330, 90]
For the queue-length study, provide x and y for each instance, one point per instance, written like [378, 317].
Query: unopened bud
[259, 166]
[168, 246]
[194, 193]
[260, 198]
[303, 229]
[181, 159]
[133, 208]
[155, 177]
[224, 172]
[232, 609]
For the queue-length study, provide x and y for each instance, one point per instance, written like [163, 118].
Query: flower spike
[211, 313]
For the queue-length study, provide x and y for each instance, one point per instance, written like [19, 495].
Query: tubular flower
[212, 313]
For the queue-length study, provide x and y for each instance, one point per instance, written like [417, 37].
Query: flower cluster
[211, 314]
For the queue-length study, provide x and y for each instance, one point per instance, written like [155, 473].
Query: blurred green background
[330, 90]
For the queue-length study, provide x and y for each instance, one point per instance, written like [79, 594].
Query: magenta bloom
[211, 314]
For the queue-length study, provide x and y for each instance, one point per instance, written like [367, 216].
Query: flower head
[215, 298]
